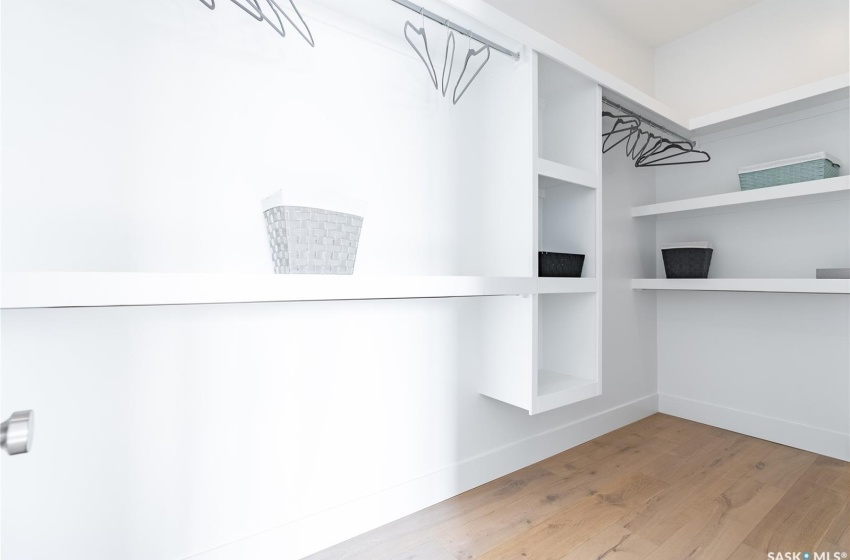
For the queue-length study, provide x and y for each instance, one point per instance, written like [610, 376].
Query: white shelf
[550, 285]
[780, 285]
[824, 91]
[107, 289]
[561, 175]
[559, 389]
[103, 289]
[808, 190]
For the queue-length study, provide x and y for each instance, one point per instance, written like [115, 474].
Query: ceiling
[656, 22]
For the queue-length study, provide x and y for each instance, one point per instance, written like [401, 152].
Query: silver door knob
[16, 432]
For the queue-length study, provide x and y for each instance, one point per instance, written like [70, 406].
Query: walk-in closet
[432, 280]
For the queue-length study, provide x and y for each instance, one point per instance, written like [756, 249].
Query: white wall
[771, 47]
[589, 35]
[629, 343]
[140, 136]
[775, 366]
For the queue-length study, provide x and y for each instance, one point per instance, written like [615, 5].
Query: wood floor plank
[717, 528]
[613, 543]
[429, 550]
[829, 473]
[739, 454]
[671, 469]
[701, 445]
[560, 534]
[680, 431]
[627, 458]
[473, 539]
[782, 467]
[837, 537]
[669, 510]
[803, 515]
[661, 488]
[409, 532]
[744, 552]
[579, 457]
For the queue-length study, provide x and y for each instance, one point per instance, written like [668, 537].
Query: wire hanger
[253, 9]
[449, 62]
[279, 27]
[426, 57]
[680, 153]
[257, 13]
[646, 148]
[470, 54]
[306, 34]
[617, 133]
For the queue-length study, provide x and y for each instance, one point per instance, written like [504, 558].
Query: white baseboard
[308, 535]
[817, 440]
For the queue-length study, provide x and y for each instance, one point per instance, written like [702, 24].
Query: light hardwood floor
[661, 488]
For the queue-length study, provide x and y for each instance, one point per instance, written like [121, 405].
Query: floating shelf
[558, 175]
[821, 92]
[780, 285]
[809, 191]
[558, 389]
[107, 289]
[834, 88]
[103, 289]
[566, 285]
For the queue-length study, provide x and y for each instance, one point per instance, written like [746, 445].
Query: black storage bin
[562, 265]
[684, 260]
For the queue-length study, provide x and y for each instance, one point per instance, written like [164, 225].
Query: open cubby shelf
[553, 174]
[555, 389]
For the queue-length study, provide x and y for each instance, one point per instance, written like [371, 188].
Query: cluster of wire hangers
[273, 14]
[411, 32]
[645, 148]
[473, 64]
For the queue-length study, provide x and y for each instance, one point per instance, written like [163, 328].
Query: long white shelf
[780, 285]
[821, 92]
[723, 202]
[560, 175]
[107, 289]
[829, 90]
[100, 289]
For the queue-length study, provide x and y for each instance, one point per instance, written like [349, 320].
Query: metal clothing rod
[647, 121]
[441, 20]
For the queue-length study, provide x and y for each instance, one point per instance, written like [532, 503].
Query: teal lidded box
[785, 171]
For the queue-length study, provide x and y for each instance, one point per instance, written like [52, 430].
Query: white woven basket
[312, 234]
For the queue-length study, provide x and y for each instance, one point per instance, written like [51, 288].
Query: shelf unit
[809, 191]
[568, 216]
[563, 313]
[776, 285]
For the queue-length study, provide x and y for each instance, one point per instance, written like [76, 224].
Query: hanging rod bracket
[468, 32]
